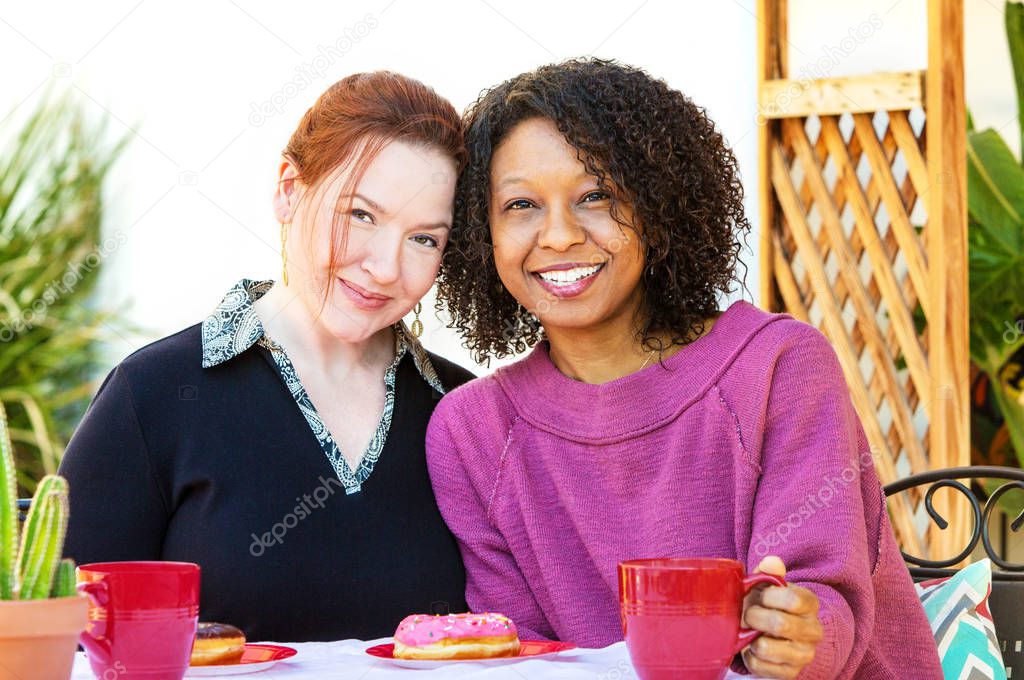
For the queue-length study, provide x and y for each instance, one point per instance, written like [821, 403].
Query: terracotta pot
[38, 638]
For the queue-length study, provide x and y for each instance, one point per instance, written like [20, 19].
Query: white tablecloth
[346, 660]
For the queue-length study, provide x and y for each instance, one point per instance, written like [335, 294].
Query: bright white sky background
[192, 194]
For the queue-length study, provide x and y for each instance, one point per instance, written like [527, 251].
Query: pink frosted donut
[456, 636]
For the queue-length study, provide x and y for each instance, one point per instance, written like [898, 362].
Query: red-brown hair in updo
[354, 119]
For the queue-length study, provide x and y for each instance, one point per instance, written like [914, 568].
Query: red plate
[528, 649]
[255, 658]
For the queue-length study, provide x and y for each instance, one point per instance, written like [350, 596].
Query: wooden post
[949, 433]
[936, 259]
[772, 63]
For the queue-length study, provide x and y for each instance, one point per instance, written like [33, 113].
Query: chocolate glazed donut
[217, 644]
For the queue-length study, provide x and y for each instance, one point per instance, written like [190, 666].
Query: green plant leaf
[995, 199]
[1014, 18]
[1013, 415]
[52, 169]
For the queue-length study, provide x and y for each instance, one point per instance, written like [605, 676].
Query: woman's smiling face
[557, 248]
[394, 234]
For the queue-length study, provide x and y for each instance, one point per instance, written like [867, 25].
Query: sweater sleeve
[117, 509]
[494, 582]
[816, 497]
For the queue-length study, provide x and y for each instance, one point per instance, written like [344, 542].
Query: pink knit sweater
[744, 444]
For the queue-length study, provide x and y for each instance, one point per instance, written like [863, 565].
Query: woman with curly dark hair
[599, 221]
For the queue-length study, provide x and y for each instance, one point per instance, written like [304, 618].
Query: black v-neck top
[219, 466]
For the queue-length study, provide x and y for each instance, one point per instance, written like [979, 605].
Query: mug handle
[96, 590]
[748, 635]
[99, 596]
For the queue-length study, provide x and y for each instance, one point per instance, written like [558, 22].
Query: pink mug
[142, 618]
[681, 616]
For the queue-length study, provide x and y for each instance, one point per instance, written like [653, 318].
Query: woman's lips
[361, 297]
[567, 289]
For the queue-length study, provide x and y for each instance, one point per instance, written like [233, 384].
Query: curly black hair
[664, 157]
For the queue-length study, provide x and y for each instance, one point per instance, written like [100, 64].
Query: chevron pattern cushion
[957, 608]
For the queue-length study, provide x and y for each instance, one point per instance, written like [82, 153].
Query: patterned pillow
[957, 608]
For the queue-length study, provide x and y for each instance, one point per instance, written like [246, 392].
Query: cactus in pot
[32, 568]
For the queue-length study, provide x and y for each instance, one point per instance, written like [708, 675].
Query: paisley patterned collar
[234, 327]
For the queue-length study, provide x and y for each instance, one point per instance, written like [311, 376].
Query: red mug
[681, 616]
[142, 618]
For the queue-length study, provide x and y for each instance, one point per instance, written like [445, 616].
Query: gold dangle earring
[417, 325]
[284, 254]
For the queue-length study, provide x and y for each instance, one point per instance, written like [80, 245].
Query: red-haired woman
[279, 443]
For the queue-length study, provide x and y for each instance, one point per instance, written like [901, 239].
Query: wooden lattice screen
[863, 214]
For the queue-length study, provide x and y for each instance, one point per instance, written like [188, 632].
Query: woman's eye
[425, 240]
[595, 196]
[519, 204]
[362, 216]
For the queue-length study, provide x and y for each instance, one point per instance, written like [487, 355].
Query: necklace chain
[650, 355]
